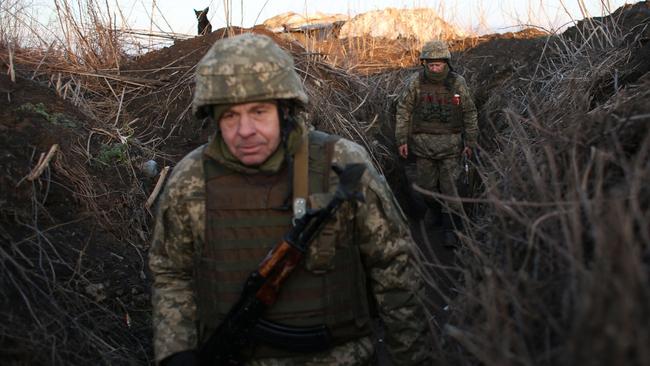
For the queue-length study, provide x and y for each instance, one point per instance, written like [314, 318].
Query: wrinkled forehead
[220, 109]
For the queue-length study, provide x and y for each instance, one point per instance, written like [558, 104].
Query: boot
[417, 205]
[449, 237]
[432, 217]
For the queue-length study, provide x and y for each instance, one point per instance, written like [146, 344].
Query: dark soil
[72, 277]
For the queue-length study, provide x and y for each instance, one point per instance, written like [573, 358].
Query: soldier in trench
[229, 201]
[436, 123]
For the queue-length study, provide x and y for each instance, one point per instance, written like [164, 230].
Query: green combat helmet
[242, 69]
[435, 50]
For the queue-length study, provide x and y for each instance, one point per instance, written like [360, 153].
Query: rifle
[465, 170]
[464, 181]
[243, 325]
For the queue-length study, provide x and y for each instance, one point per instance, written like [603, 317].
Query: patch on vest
[436, 107]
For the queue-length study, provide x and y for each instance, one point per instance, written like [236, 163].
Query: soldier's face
[435, 66]
[251, 131]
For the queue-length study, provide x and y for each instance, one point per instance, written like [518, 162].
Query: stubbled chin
[252, 159]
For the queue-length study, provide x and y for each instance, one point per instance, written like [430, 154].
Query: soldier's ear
[283, 111]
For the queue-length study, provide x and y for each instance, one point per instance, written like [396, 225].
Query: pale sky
[478, 16]
[467, 14]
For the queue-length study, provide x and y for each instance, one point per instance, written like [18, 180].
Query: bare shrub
[555, 271]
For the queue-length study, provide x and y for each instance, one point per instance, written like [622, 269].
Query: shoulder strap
[321, 147]
[301, 177]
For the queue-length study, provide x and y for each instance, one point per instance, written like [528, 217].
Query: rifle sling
[301, 177]
[310, 339]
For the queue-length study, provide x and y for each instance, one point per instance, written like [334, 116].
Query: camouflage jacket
[383, 238]
[428, 145]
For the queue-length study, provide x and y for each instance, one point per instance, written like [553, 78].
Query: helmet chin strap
[287, 121]
[285, 125]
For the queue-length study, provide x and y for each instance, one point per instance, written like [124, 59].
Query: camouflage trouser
[440, 175]
[354, 353]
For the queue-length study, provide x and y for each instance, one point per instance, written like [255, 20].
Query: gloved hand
[184, 358]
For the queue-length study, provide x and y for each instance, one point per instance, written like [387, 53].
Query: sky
[472, 16]
[476, 15]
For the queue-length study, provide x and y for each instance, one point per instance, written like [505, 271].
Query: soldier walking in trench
[227, 203]
[436, 122]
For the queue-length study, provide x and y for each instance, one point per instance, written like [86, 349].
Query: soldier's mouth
[252, 146]
[249, 149]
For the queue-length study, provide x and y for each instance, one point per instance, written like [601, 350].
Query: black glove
[184, 358]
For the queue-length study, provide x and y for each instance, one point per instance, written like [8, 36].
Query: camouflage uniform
[379, 230]
[437, 154]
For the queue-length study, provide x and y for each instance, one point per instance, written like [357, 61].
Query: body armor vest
[436, 112]
[246, 215]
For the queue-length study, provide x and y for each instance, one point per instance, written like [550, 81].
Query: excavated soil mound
[68, 276]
